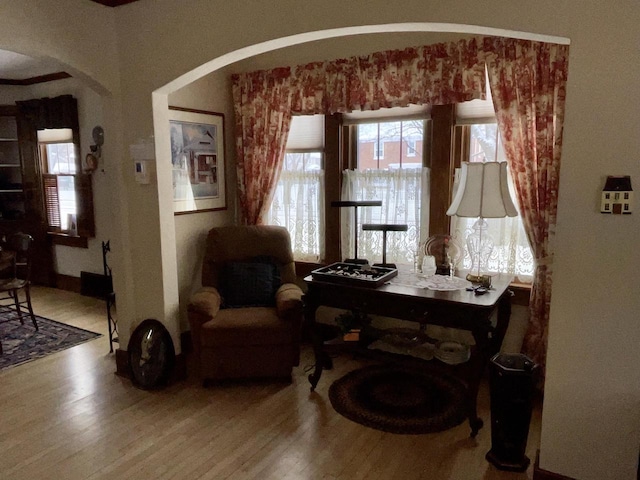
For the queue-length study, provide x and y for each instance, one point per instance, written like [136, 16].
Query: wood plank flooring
[68, 416]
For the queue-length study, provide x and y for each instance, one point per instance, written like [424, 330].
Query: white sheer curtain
[298, 205]
[511, 253]
[404, 194]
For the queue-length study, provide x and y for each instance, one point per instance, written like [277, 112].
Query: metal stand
[384, 228]
[355, 204]
[110, 298]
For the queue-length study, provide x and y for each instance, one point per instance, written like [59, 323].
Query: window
[67, 192]
[398, 180]
[298, 201]
[511, 253]
[378, 146]
[412, 147]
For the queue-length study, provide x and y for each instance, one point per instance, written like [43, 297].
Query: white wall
[585, 394]
[211, 93]
[70, 260]
[591, 426]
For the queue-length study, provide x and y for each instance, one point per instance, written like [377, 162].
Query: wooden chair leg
[14, 294]
[27, 291]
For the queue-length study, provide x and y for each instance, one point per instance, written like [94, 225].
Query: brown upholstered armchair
[233, 340]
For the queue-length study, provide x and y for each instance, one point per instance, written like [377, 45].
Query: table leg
[322, 360]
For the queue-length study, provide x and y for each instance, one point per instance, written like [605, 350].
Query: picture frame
[197, 160]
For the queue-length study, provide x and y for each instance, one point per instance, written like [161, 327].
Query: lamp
[483, 192]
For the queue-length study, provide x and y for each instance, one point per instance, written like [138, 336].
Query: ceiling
[20, 69]
[17, 69]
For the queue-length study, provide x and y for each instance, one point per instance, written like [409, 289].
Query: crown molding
[33, 80]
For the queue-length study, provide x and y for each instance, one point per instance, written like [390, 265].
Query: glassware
[428, 265]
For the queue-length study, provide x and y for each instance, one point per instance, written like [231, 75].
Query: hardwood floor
[68, 416]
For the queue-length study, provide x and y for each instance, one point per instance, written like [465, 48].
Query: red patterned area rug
[23, 343]
[399, 400]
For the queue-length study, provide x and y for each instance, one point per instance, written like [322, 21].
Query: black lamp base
[509, 465]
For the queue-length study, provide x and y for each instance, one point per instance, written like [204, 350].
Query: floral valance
[436, 74]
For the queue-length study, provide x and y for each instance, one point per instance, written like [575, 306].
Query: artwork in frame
[197, 160]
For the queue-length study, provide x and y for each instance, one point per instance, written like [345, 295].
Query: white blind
[476, 111]
[411, 111]
[306, 133]
[55, 135]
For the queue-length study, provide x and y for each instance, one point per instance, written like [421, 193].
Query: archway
[161, 119]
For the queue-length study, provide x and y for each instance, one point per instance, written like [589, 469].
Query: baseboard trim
[540, 474]
[179, 372]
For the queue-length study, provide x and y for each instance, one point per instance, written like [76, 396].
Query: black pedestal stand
[355, 204]
[384, 228]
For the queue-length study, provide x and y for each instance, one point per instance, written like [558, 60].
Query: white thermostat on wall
[142, 171]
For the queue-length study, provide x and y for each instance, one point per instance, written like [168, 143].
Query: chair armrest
[205, 302]
[289, 301]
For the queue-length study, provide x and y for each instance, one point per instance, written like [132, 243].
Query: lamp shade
[483, 192]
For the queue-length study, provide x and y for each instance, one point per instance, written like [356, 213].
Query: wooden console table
[459, 309]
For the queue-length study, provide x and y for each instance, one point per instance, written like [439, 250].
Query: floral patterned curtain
[265, 100]
[262, 104]
[528, 82]
[436, 74]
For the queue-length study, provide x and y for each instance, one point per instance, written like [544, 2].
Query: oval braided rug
[399, 399]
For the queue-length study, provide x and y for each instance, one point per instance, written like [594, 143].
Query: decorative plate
[151, 355]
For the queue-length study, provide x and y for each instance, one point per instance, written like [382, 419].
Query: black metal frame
[110, 298]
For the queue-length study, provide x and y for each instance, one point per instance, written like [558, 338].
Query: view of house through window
[387, 145]
[59, 163]
[389, 168]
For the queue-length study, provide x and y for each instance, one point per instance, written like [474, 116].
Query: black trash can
[512, 381]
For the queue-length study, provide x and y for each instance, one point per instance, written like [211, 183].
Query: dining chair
[16, 278]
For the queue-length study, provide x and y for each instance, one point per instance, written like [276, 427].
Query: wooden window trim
[84, 202]
[68, 240]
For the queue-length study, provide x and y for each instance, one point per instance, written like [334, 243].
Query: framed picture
[197, 160]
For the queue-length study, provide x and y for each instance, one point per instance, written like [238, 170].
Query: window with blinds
[64, 187]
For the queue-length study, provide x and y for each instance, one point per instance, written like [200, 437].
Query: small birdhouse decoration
[617, 195]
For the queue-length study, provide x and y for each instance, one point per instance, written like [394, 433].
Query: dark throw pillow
[250, 284]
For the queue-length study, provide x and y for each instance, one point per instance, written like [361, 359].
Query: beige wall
[591, 427]
[210, 93]
[69, 260]
[576, 413]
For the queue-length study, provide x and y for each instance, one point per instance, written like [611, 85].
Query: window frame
[83, 197]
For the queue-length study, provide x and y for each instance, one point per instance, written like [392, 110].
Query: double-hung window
[298, 201]
[398, 179]
[59, 159]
